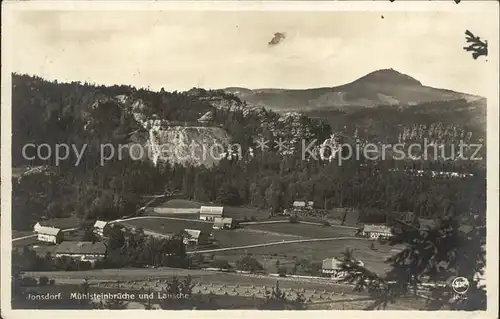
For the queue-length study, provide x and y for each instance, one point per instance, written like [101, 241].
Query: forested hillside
[85, 114]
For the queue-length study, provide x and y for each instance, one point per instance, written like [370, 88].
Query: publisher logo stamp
[460, 285]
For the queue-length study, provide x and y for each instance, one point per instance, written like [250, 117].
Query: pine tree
[433, 255]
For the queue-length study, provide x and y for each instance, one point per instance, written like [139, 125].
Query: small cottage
[332, 267]
[197, 237]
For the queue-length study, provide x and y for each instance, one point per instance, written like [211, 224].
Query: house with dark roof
[82, 250]
[196, 236]
[48, 234]
[223, 223]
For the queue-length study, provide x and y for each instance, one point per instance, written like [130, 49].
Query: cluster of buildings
[216, 214]
[82, 250]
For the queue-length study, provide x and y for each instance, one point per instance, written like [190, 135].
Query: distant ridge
[381, 87]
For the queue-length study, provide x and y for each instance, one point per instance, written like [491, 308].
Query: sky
[180, 50]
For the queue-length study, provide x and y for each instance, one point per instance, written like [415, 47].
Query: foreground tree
[434, 255]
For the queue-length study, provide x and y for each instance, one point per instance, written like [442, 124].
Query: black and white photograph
[250, 156]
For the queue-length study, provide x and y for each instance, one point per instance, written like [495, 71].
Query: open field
[169, 226]
[243, 237]
[320, 293]
[180, 203]
[239, 213]
[138, 294]
[198, 276]
[189, 208]
[67, 222]
[304, 230]
[21, 233]
[316, 252]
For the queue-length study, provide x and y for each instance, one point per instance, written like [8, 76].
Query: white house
[211, 212]
[101, 228]
[48, 234]
[83, 250]
[377, 231]
[333, 267]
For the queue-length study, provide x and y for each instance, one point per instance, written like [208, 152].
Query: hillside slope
[382, 87]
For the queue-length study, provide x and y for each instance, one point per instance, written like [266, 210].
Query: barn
[48, 234]
[209, 213]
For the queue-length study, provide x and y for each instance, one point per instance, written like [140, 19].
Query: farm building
[48, 234]
[223, 223]
[376, 231]
[211, 212]
[101, 228]
[196, 236]
[333, 267]
[83, 250]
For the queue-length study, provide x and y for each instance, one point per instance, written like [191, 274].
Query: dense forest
[52, 113]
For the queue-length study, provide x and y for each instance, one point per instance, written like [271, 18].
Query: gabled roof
[331, 264]
[48, 230]
[100, 224]
[81, 247]
[193, 233]
[211, 210]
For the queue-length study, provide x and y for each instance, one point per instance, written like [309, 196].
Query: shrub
[326, 223]
[282, 271]
[293, 219]
[253, 218]
[28, 281]
[221, 263]
[43, 281]
[248, 263]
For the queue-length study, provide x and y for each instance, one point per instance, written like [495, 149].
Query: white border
[488, 10]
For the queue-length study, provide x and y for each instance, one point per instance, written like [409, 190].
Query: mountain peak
[388, 76]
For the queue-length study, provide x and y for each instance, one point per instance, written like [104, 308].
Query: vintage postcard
[249, 156]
